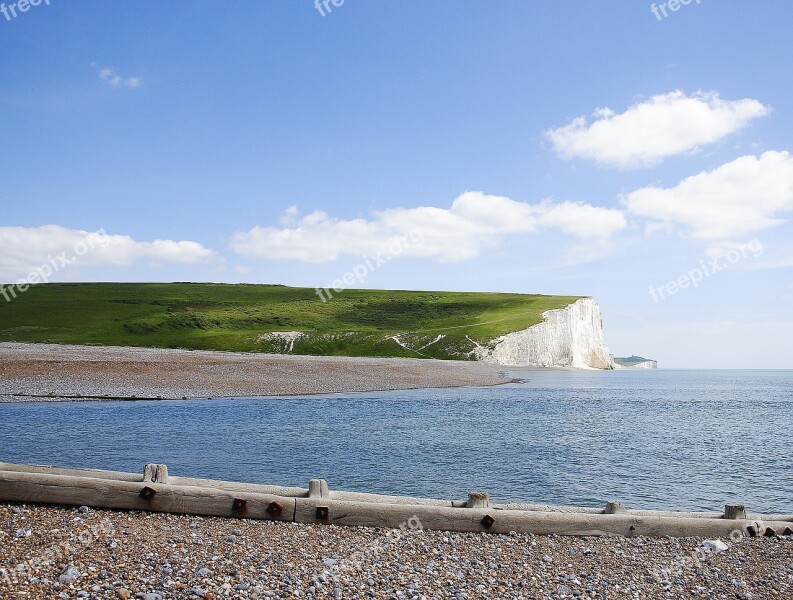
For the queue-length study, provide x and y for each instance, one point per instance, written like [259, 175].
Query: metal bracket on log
[147, 493]
[239, 506]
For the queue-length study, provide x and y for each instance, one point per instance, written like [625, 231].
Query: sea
[651, 439]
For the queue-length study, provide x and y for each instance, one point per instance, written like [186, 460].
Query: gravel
[59, 372]
[157, 556]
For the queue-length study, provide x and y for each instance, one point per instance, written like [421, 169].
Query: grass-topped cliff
[239, 317]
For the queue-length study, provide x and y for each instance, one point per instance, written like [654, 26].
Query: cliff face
[569, 337]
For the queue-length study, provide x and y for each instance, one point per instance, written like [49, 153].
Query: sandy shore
[72, 553]
[40, 372]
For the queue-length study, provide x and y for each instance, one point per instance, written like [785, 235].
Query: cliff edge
[568, 337]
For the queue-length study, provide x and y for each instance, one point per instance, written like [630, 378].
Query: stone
[713, 546]
[69, 575]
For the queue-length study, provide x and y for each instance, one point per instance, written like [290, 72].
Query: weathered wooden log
[385, 499]
[310, 510]
[89, 473]
[635, 512]
[547, 508]
[233, 486]
[224, 485]
[40, 488]
[735, 511]
[107, 489]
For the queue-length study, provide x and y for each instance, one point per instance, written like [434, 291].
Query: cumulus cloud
[662, 126]
[738, 198]
[112, 78]
[474, 222]
[23, 249]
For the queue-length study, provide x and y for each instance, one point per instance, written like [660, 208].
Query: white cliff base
[568, 337]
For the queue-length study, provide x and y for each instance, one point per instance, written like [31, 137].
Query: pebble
[148, 556]
[69, 575]
[714, 546]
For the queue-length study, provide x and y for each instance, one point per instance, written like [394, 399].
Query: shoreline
[68, 373]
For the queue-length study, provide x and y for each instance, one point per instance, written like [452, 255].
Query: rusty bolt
[147, 493]
[487, 521]
[239, 505]
[322, 513]
[275, 509]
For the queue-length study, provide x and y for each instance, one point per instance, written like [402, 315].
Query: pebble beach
[49, 372]
[59, 552]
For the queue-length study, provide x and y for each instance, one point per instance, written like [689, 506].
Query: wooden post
[318, 488]
[478, 500]
[735, 511]
[155, 473]
[614, 508]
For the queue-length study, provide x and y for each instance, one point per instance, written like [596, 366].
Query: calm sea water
[651, 439]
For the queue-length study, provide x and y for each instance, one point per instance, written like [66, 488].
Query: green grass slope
[238, 317]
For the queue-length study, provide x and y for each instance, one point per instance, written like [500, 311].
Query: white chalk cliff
[568, 337]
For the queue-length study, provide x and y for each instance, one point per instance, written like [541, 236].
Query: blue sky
[264, 142]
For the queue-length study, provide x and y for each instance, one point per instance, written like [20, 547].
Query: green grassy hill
[238, 317]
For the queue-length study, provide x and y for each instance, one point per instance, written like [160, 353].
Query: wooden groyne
[157, 491]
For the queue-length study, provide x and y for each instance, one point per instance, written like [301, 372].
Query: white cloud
[110, 76]
[665, 125]
[290, 216]
[738, 198]
[583, 220]
[23, 249]
[723, 250]
[474, 223]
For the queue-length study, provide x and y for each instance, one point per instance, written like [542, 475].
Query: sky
[620, 150]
